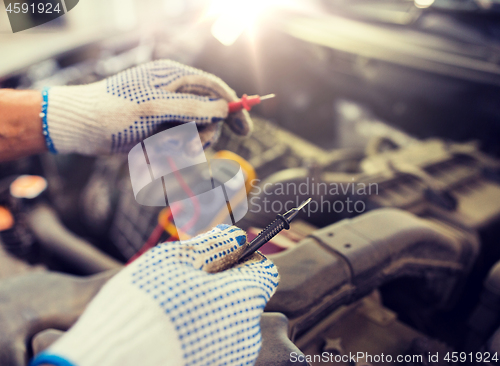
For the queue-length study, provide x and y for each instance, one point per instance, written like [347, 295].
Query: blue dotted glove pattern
[216, 315]
[149, 82]
[148, 126]
[113, 115]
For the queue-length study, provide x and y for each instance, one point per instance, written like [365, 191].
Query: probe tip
[268, 96]
[303, 204]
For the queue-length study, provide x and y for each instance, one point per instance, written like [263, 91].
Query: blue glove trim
[50, 359]
[45, 125]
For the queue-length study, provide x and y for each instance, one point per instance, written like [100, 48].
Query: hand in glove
[166, 309]
[114, 114]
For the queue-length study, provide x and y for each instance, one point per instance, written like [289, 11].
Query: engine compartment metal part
[34, 302]
[449, 181]
[368, 327]
[359, 255]
[82, 256]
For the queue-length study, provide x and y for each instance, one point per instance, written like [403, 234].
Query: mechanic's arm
[113, 115]
[175, 306]
[20, 124]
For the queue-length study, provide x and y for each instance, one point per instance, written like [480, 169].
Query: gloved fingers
[176, 77]
[210, 85]
[240, 123]
[168, 254]
[204, 84]
[210, 134]
[202, 252]
[214, 252]
[260, 272]
[162, 73]
[184, 108]
[206, 112]
[218, 247]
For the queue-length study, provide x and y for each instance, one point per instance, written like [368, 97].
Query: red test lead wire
[247, 102]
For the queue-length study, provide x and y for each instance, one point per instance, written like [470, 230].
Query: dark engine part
[276, 346]
[486, 316]
[79, 255]
[34, 302]
[454, 182]
[359, 255]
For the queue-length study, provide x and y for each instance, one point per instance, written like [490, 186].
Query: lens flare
[233, 17]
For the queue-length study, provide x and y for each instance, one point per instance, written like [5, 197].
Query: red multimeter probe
[247, 102]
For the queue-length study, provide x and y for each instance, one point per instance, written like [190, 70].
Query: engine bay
[394, 261]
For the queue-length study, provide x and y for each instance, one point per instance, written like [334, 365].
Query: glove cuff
[46, 358]
[119, 327]
[69, 123]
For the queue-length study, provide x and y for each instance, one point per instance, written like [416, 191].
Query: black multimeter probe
[281, 222]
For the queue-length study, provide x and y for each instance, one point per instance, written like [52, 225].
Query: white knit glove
[113, 115]
[164, 309]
